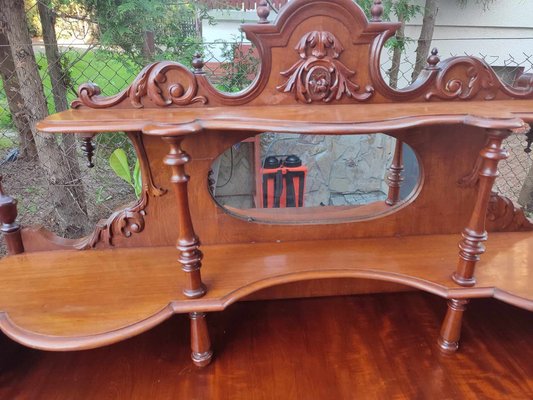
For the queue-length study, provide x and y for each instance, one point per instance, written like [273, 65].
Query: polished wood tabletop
[370, 347]
[318, 119]
[67, 300]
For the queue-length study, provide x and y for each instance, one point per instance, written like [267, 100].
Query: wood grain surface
[361, 347]
[310, 119]
[66, 300]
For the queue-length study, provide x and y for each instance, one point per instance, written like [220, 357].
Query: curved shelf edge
[61, 343]
[512, 299]
[255, 267]
[65, 343]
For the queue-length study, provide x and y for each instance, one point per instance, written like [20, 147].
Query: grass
[97, 66]
[6, 142]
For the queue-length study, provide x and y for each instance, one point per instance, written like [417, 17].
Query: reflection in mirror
[290, 178]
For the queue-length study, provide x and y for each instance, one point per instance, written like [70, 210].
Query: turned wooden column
[10, 228]
[188, 243]
[201, 352]
[450, 332]
[471, 246]
[394, 177]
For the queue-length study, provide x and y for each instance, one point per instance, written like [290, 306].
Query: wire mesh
[83, 57]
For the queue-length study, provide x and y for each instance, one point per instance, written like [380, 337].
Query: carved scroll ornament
[479, 79]
[129, 220]
[319, 75]
[504, 216]
[148, 84]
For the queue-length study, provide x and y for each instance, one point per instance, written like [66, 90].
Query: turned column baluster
[10, 228]
[450, 332]
[394, 177]
[188, 243]
[471, 246]
[200, 343]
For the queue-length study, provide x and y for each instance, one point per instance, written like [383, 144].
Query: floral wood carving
[319, 75]
[129, 220]
[503, 215]
[148, 84]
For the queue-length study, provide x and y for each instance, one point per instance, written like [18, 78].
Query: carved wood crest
[319, 75]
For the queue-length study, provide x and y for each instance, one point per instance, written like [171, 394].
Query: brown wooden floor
[359, 347]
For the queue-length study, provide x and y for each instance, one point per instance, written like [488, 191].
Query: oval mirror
[310, 179]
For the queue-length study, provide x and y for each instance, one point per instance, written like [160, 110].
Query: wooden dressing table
[320, 74]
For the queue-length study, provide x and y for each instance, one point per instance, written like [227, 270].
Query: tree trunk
[71, 217]
[525, 199]
[149, 46]
[14, 100]
[59, 92]
[426, 36]
[397, 56]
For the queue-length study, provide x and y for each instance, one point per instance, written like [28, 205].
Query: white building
[502, 34]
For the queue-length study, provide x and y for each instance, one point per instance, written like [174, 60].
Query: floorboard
[352, 347]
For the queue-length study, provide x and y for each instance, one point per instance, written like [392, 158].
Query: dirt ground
[25, 181]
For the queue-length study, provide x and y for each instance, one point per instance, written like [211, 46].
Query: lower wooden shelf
[66, 300]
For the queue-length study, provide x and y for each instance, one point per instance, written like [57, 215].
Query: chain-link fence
[84, 54]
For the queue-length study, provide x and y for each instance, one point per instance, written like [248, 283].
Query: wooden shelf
[66, 300]
[317, 119]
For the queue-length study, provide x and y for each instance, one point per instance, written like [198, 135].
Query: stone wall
[343, 170]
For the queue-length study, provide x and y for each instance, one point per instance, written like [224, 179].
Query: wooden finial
[377, 11]
[198, 63]
[263, 11]
[433, 59]
[87, 147]
[10, 228]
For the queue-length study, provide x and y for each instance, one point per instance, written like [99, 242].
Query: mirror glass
[293, 178]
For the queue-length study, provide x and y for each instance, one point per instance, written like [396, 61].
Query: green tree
[146, 30]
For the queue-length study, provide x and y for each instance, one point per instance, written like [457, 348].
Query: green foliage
[118, 161]
[240, 65]
[32, 17]
[403, 10]
[123, 24]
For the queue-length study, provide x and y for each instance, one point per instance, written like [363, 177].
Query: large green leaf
[137, 179]
[119, 163]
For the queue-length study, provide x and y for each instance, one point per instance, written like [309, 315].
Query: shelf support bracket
[450, 332]
[201, 354]
[471, 246]
[394, 177]
[190, 256]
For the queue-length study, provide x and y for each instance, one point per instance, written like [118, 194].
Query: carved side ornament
[319, 75]
[150, 83]
[504, 216]
[129, 220]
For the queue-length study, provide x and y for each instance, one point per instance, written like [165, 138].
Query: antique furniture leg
[394, 177]
[10, 228]
[450, 332]
[188, 243]
[200, 343]
[471, 246]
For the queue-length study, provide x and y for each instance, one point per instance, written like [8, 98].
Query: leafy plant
[118, 161]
